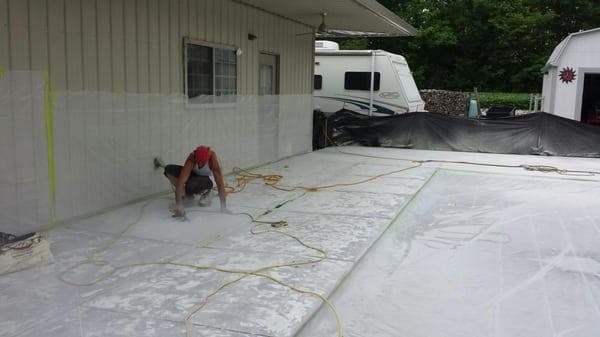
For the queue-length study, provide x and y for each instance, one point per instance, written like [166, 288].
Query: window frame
[213, 47]
[376, 78]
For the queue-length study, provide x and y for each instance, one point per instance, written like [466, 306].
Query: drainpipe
[372, 82]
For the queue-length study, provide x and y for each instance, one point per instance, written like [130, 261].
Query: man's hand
[214, 165]
[178, 210]
[224, 208]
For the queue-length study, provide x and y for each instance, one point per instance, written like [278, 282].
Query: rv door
[408, 83]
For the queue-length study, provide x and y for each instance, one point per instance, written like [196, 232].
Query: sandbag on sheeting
[539, 133]
[24, 252]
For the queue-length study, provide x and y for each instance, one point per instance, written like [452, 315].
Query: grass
[518, 100]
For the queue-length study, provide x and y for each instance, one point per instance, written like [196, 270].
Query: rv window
[355, 80]
[318, 82]
[211, 74]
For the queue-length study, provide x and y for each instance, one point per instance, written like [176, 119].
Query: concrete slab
[90, 322]
[260, 196]
[163, 292]
[342, 237]
[378, 205]
[388, 185]
[201, 227]
[151, 221]
[31, 297]
[171, 292]
[478, 251]
[480, 254]
[261, 307]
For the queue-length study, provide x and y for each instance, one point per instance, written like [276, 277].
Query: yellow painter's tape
[49, 100]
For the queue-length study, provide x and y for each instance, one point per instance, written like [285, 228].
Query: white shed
[572, 78]
[91, 91]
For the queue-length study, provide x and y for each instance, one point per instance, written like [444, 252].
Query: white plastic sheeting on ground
[155, 300]
[65, 154]
[462, 251]
[481, 254]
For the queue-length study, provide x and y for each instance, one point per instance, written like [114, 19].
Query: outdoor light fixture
[251, 37]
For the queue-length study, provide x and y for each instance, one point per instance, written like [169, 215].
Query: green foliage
[489, 44]
[518, 100]
[353, 44]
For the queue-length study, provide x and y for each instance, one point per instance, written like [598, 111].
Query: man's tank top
[202, 171]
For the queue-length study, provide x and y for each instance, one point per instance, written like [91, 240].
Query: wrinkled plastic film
[102, 145]
[480, 255]
[538, 134]
[24, 181]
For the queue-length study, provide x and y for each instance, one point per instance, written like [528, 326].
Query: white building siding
[114, 72]
[136, 46]
[581, 53]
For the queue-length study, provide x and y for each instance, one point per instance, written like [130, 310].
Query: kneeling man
[194, 178]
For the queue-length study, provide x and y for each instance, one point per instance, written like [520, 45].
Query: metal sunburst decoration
[567, 75]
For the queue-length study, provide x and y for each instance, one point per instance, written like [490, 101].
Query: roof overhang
[345, 18]
[554, 58]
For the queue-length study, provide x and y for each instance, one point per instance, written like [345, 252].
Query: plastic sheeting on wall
[71, 153]
[539, 133]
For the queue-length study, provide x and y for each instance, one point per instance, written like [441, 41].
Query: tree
[495, 45]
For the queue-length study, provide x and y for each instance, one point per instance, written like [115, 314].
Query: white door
[268, 107]
[408, 83]
[268, 75]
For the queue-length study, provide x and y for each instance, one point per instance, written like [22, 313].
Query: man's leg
[172, 173]
[205, 198]
[201, 185]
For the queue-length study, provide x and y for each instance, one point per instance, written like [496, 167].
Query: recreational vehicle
[372, 82]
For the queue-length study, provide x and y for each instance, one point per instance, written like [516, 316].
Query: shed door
[590, 104]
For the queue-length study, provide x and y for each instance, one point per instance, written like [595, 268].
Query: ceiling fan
[322, 29]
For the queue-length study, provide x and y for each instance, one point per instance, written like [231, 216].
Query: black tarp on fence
[539, 133]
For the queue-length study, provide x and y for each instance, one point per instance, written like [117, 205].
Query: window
[318, 82]
[361, 80]
[211, 74]
[199, 70]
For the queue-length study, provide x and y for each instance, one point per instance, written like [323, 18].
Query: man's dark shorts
[195, 185]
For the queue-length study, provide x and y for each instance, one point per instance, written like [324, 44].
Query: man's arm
[183, 178]
[215, 167]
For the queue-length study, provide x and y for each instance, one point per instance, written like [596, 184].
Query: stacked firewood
[445, 102]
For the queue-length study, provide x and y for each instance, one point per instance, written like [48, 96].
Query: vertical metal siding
[97, 53]
[140, 39]
[39, 61]
[4, 36]
[7, 170]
